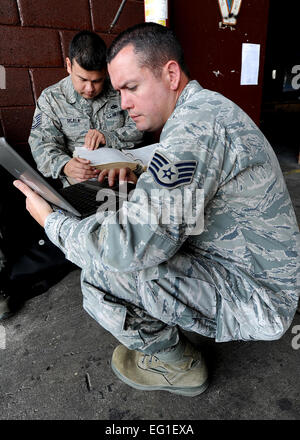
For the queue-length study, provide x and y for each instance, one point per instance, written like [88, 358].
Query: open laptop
[79, 199]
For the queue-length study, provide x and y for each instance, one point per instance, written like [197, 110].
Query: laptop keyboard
[81, 197]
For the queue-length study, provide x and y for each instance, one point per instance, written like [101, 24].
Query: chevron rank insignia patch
[171, 175]
[37, 120]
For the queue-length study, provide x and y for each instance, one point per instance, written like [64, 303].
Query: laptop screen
[20, 169]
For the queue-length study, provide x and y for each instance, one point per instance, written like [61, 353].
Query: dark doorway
[280, 114]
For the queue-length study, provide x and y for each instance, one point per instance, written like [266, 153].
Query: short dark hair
[89, 50]
[154, 44]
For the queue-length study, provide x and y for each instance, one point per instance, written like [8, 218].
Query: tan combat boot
[187, 376]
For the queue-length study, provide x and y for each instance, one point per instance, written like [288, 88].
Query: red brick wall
[34, 39]
[35, 34]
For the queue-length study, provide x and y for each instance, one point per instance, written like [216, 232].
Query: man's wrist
[63, 170]
[45, 218]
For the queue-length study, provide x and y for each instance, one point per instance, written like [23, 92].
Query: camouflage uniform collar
[108, 89]
[190, 89]
[70, 92]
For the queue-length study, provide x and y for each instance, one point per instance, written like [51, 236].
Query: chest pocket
[74, 128]
[114, 119]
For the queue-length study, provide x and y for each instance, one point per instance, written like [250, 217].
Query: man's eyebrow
[125, 84]
[81, 77]
[84, 79]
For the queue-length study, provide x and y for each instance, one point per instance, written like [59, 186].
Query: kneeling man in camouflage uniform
[208, 241]
[82, 109]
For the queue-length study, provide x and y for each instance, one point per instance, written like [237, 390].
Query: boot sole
[189, 392]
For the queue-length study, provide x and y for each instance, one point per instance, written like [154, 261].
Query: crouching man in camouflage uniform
[82, 109]
[235, 276]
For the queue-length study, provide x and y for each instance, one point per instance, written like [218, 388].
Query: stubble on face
[145, 96]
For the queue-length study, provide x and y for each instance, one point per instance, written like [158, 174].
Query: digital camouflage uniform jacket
[62, 119]
[237, 277]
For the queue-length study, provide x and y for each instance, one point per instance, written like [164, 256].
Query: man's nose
[126, 102]
[90, 87]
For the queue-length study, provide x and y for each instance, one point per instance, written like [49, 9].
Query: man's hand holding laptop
[39, 209]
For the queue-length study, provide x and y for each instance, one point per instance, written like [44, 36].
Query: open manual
[112, 158]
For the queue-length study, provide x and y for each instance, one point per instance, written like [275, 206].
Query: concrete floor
[56, 366]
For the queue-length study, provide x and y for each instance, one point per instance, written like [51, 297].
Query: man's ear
[69, 65]
[173, 73]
